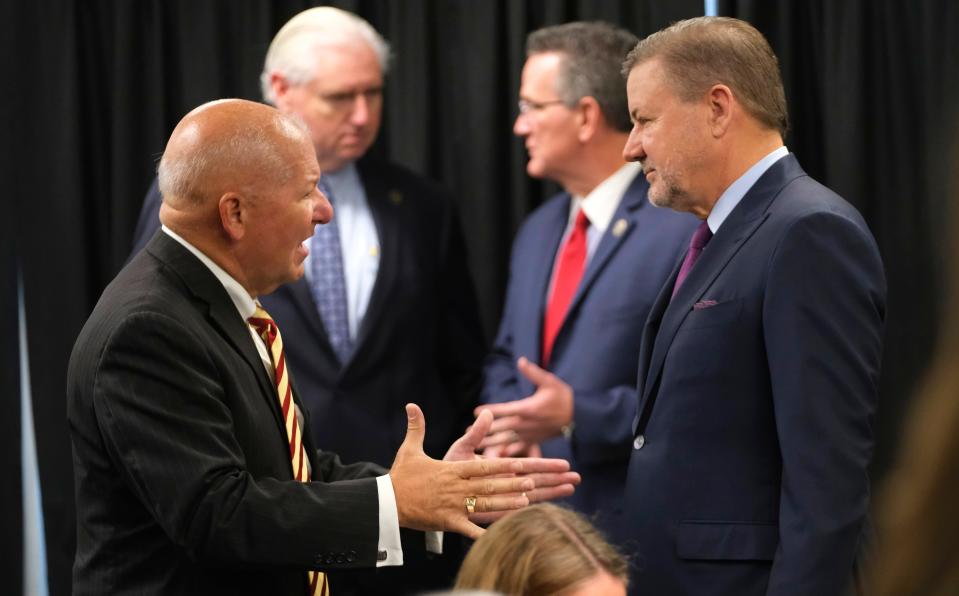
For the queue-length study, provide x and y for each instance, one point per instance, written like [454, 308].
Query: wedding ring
[471, 505]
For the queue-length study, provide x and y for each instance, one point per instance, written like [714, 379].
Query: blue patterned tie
[328, 284]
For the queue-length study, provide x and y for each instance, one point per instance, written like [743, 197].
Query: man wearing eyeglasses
[585, 269]
[386, 312]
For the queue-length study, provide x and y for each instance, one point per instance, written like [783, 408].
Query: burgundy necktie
[569, 270]
[700, 237]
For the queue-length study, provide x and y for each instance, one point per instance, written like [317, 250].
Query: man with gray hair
[585, 269]
[760, 360]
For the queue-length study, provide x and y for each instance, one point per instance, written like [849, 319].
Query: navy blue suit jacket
[420, 340]
[757, 384]
[597, 347]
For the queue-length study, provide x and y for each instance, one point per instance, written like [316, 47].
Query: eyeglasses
[345, 100]
[526, 106]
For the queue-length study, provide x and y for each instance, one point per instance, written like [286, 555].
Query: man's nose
[521, 126]
[322, 208]
[633, 149]
[360, 113]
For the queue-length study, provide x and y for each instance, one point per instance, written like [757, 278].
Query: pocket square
[704, 304]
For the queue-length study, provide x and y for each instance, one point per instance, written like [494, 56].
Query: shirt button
[638, 442]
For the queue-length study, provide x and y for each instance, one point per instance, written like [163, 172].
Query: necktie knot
[701, 236]
[696, 244]
[264, 324]
[582, 222]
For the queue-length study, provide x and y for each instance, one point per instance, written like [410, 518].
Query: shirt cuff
[389, 549]
[434, 542]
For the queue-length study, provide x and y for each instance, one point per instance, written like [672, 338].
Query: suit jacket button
[330, 559]
[351, 556]
[638, 442]
[340, 558]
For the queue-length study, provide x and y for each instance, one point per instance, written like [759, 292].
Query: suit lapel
[303, 299]
[384, 203]
[613, 238]
[739, 226]
[542, 258]
[620, 227]
[221, 312]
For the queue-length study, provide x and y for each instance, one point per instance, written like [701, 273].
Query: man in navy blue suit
[585, 269]
[760, 359]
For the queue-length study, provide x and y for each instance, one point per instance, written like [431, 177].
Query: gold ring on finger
[470, 505]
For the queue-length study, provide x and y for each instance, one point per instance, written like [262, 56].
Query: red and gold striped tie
[264, 325]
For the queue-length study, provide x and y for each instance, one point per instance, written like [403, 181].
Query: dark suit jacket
[420, 340]
[181, 462]
[597, 348]
[758, 385]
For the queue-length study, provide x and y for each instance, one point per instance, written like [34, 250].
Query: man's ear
[234, 216]
[590, 118]
[721, 105]
[281, 89]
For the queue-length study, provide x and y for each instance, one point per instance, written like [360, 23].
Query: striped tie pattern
[266, 327]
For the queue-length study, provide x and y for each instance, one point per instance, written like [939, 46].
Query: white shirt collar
[602, 202]
[244, 303]
[738, 189]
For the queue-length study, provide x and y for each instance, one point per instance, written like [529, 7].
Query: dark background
[93, 88]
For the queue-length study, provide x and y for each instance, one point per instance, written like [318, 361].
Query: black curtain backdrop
[94, 89]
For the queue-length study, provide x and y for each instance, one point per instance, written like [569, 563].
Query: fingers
[488, 489]
[465, 447]
[535, 374]
[415, 428]
[490, 467]
[538, 495]
[466, 528]
[509, 408]
[517, 449]
[500, 438]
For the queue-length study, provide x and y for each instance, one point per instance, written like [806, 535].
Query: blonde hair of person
[917, 515]
[543, 550]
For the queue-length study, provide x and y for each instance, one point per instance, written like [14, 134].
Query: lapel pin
[396, 197]
[619, 228]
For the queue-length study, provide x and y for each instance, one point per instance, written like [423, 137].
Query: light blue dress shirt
[738, 189]
[359, 241]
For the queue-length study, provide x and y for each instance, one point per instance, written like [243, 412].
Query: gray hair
[592, 55]
[293, 52]
[705, 51]
[247, 156]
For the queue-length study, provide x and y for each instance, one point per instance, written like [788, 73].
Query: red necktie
[267, 329]
[569, 270]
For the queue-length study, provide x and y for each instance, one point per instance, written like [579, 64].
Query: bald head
[238, 181]
[227, 145]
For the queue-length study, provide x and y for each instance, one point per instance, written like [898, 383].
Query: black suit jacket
[420, 339]
[182, 469]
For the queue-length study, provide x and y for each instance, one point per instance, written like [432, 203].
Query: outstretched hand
[431, 494]
[523, 423]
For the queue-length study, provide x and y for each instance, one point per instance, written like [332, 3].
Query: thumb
[479, 429]
[534, 373]
[415, 428]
